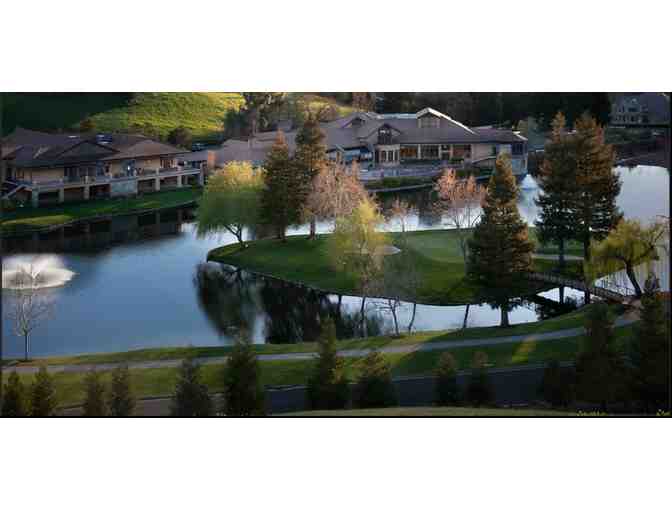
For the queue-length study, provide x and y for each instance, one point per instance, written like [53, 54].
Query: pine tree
[280, 204]
[447, 390]
[121, 400]
[500, 252]
[479, 390]
[94, 400]
[327, 385]
[14, 398]
[600, 371]
[595, 212]
[650, 350]
[191, 397]
[374, 385]
[42, 394]
[243, 391]
[310, 157]
[557, 183]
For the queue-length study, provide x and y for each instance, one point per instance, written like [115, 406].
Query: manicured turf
[24, 220]
[436, 253]
[160, 381]
[433, 411]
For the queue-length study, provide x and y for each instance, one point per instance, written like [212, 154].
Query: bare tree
[460, 203]
[29, 306]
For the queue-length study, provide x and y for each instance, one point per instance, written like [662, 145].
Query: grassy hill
[201, 112]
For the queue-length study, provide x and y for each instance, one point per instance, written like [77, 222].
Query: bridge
[604, 293]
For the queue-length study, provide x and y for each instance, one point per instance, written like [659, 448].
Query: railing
[579, 285]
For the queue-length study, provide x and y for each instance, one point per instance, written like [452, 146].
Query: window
[384, 136]
[517, 149]
[495, 150]
[461, 151]
[166, 162]
[430, 152]
[409, 152]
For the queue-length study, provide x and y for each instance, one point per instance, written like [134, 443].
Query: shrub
[374, 385]
[327, 386]
[447, 391]
[42, 394]
[191, 396]
[180, 136]
[479, 391]
[14, 402]
[94, 400]
[243, 392]
[557, 386]
[121, 399]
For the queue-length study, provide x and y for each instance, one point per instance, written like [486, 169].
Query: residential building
[641, 109]
[401, 141]
[46, 168]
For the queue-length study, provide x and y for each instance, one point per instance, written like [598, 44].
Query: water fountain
[34, 271]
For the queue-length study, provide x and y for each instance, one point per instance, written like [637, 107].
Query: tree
[363, 101]
[42, 394]
[356, 247]
[243, 391]
[180, 137]
[479, 390]
[374, 386]
[94, 399]
[230, 200]
[459, 202]
[191, 397]
[595, 212]
[650, 350]
[280, 205]
[121, 400]
[447, 390]
[626, 247]
[557, 386]
[327, 385]
[87, 125]
[335, 192]
[259, 109]
[14, 401]
[558, 188]
[500, 250]
[600, 371]
[309, 159]
[29, 306]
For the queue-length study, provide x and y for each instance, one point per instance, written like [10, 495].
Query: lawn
[154, 382]
[433, 411]
[436, 252]
[27, 219]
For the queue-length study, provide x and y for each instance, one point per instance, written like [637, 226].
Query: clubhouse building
[400, 141]
[45, 168]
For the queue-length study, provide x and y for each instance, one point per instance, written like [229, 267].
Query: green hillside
[201, 112]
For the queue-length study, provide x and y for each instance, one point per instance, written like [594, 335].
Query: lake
[142, 281]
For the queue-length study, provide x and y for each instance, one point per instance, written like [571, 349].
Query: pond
[141, 281]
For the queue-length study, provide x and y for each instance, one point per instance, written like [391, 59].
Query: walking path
[623, 320]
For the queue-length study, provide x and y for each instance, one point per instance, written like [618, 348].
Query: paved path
[348, 353]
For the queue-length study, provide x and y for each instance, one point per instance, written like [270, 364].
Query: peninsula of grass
[436, 254]
[160, 382]
[25, 220]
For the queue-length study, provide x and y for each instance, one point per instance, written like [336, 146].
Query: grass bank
[28, 219]
[436, 253]
[155, 382]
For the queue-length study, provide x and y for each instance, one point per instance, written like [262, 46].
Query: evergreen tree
[14, 401]
[447, 391]
[94, 399]
[557, 183]
[557, 385]
[327, 385]
[500, 252]
[600, 371]
[594, 205]
[121, 400]
[310, 157]
[180, 137]
[191, 397]
[280, 204]
[650, 350]
[479, 390]
[42, 394]
[243, 391]
[374, 385]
